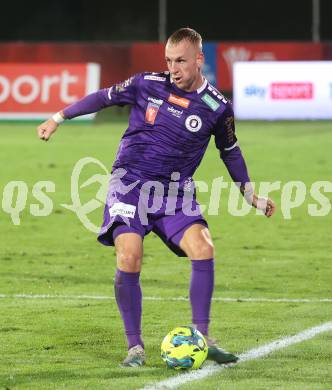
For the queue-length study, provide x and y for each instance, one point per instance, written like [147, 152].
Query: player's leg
[129, 252]
[125, 231]
[197, 244]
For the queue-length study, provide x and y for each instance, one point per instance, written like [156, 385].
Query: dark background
[107, 20]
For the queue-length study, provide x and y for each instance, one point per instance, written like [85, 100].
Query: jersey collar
[203, 86]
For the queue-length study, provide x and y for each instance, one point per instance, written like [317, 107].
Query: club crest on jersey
[193, 123]
[179, 101]
[151, 113]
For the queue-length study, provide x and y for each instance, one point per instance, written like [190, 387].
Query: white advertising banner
[282, 90]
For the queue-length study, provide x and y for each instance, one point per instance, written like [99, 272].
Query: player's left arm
[232, 157]
[119, 94]
[265, 204]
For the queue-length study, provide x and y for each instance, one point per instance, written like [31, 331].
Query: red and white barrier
[36, 91]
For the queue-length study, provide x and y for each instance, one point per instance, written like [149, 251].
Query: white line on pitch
[216, 299]
[252, 354]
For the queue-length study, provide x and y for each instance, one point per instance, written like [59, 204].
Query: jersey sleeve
[124, 93]
[224, 131]
[230, 152]
[120, 94]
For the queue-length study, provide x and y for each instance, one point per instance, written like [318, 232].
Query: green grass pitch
[68, 341]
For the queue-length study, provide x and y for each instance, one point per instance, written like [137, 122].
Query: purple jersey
[169, 129]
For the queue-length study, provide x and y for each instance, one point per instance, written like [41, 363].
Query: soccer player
[173, 115]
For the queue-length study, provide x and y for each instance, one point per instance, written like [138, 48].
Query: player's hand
[266, 205]
[46, 129]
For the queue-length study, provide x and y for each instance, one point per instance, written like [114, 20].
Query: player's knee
[201, 249]
[129, 261]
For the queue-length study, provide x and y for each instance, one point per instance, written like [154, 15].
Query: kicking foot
[135, 358]
[217, 354]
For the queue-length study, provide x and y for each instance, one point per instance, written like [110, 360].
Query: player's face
[184, 61]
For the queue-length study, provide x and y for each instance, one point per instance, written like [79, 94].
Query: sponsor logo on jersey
[154, 78]
[179, 101]
[123, 209]
[151, 113]
[217, 94]
[119, 88]
[122, 86]
[210, 102]
[175, 112]
[156, 101]
[193, 123]
[230, 129]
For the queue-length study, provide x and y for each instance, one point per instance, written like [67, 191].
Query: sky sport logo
[282, 91]
[293, 91]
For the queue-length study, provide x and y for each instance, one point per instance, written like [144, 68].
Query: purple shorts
[142, 211]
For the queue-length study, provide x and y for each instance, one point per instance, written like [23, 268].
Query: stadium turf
[59, 325]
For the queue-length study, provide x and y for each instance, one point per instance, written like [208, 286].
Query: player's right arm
[120, 94]
[47, 128]
[232, 157]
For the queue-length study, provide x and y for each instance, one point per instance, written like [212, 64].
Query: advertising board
[36, 91]
[283, 90]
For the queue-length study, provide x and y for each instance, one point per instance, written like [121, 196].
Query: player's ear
[200, 60]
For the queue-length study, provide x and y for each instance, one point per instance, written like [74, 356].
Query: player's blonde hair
[188, 34]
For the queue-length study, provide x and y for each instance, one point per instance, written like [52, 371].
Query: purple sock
[201, 289]
[128, 296]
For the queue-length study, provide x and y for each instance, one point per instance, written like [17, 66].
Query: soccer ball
[183, 348]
